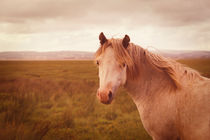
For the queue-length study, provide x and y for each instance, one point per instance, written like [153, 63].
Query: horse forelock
[121, 54]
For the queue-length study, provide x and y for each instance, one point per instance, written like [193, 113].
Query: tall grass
[55, 100]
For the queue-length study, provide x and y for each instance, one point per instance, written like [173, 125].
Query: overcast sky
[52, 25]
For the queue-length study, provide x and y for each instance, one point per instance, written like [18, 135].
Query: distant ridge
[79, 55]
[56, 55]
[186, 54]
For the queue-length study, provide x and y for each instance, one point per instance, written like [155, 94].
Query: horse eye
[123, 64]
[97, 62]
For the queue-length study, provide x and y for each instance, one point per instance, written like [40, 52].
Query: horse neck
[149, 84]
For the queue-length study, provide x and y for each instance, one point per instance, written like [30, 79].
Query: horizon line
[153, 49]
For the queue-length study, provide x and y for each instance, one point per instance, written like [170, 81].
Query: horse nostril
[110, 94]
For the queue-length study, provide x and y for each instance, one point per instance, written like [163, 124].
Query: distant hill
[185, 54]
[57, 55]
[78, 55]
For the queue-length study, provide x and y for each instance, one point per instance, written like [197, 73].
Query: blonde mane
[134, 56]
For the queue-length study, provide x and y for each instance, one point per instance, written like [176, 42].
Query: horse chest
[158, 121]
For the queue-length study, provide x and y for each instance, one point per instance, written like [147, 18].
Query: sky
[59, 25]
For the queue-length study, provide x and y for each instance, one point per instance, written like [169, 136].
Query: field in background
[55, 100]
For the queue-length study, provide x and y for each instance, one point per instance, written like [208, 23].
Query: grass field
[55, 100]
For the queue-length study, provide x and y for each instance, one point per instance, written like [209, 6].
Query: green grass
[55, 100]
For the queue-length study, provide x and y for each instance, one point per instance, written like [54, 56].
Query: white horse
[173, 101]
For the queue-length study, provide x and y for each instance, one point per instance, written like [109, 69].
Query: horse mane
[134, 56]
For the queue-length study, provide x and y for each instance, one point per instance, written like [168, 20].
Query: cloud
[171, 12]
[184, 12]
[140, 18]
[41, 9]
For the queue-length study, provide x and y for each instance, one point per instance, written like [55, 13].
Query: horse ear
[126, 41]
[102, 38]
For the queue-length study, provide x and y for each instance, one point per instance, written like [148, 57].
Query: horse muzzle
[105, 96]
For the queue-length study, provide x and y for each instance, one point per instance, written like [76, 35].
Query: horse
[173, 100]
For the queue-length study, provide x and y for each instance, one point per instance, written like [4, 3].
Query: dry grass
[56, 100]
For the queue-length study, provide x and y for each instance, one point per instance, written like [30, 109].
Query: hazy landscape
[56, 100]
[82, 55]
[48, 80]
[59, 55]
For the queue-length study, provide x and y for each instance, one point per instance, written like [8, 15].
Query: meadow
[56, 100]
